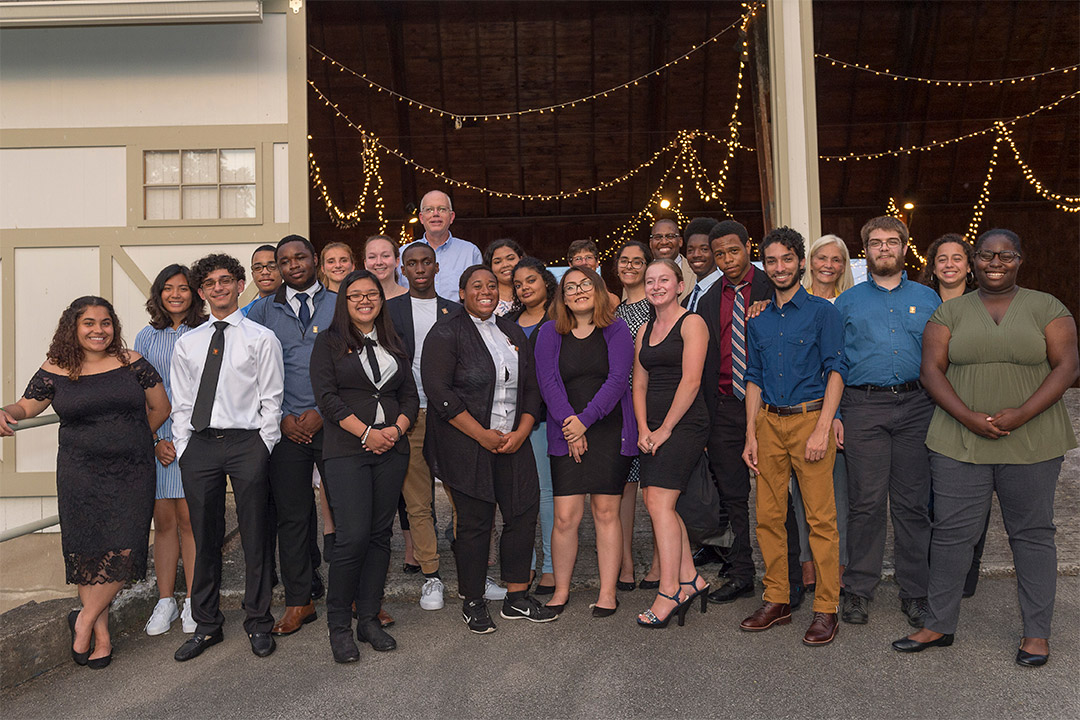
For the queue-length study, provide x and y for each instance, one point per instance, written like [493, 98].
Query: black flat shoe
[1030, 659]
[625, 586]
[262, 644]
[409, 568]
[907, 645]
[544, 590]
[99, 663]
[194, 645]
[80, 658]
[559, 608]
[649, 584]
[603, 612]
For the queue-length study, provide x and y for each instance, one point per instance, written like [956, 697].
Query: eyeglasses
[665, 236]
[259, 267]
[577, 259]
[224, 281]
[358, 296]
[891, 243]
[440, 210]
[1007, 256]
[636, 263]
[575, 288]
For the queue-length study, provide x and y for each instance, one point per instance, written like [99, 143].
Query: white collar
[290, 293]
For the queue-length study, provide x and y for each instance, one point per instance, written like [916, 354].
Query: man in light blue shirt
[886, 413]
[452, 253]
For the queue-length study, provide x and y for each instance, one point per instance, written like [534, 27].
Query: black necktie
[305, 314]
[369, 347]
[204, 400]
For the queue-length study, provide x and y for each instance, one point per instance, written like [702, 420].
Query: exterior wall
[81, 104]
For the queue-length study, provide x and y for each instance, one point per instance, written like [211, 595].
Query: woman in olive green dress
[997, 362]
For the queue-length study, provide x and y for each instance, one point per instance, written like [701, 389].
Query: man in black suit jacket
[413, 316]
[727, 409]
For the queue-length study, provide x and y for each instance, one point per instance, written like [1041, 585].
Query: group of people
[841, 400]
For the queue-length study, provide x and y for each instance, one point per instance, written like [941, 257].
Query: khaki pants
[418, 492]
[781, 448]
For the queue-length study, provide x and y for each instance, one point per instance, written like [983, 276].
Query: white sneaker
[162, 618]
[186, 620]
[492, 591]
[431, 596]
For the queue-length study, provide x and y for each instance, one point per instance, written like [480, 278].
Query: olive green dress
[993, 367]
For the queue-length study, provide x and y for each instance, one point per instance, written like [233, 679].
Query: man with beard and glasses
[886, 413]
[296, 313]
[794, 378]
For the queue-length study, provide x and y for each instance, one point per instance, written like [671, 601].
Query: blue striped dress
[157, 347]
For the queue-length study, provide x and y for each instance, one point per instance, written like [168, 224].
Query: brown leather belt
[806, 407]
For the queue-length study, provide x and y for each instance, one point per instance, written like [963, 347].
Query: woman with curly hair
[174, 309]
[110, 401]
[949, 263]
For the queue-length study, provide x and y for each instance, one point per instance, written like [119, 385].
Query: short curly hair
[66, 352]
[930, 279]
[215, 261]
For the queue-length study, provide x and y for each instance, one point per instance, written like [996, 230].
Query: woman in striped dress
[174, 309]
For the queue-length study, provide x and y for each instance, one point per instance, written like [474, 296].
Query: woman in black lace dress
[110, 401]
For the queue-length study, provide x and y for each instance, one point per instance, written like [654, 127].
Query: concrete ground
[581, 667]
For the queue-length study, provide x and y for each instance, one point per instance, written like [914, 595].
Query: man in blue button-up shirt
[885, 414]
[794, 378]
[452, 253]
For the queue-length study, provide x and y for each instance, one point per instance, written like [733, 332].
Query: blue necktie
[738, 343]
[694, 295]
[305, 314]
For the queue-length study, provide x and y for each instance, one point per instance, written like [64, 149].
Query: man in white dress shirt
[228, 382]
[699, 256]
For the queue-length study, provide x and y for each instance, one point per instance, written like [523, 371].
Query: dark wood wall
[470, 57]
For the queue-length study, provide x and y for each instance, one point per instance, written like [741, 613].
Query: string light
[893, 211]
[1061, 202]
[461, 118]
[372, 184]
[942, 143]
[984, 195]
[947, 83]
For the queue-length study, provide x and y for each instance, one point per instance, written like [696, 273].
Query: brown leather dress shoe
[294, 618]
[766, 616]
[822, 630]
[384, 618]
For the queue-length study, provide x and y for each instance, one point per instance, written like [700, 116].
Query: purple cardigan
[616, 389]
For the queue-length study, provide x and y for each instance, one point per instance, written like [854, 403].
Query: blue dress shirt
[883, 330]
[453, 257]
[792, 350]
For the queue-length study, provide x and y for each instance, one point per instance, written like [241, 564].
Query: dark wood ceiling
[490, 57]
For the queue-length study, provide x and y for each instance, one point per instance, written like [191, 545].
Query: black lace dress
[105, 476]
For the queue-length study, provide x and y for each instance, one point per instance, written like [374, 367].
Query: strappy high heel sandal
[703, 592]
[651, 621]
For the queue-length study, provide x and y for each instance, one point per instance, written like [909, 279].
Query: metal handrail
[43, 523]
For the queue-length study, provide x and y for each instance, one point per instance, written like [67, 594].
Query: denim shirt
[791, 350]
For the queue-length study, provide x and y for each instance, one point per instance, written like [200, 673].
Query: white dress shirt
[701, 288]
[250, 385]
[424, 315]
[294, 302]
[387, 370]
[505, 356]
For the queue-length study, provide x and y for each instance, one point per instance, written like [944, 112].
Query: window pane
[238, 201]
[163, 203]
[237, 166]
[162, 167]
[200, 166]
[200, 203]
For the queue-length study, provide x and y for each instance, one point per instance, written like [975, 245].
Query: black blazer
[709, 310]
[459, 376]
[400, 309]
[342, 388]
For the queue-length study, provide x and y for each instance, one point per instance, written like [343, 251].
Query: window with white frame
[199, 184]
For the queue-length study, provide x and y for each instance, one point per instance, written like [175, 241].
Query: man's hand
[291, 428]
[165, 452]
[749, 453]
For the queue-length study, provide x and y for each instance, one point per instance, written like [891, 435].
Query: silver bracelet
[363, 438]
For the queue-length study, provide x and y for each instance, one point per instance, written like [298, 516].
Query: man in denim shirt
[886, 414]
[794, 378]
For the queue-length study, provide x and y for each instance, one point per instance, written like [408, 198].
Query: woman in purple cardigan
[583, 362]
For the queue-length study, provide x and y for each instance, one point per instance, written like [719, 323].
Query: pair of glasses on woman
[575, 288]
[1007, 256]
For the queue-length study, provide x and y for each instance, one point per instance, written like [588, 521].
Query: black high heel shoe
[80, 658]
[99, 663]
[703, 592]
[652, 621]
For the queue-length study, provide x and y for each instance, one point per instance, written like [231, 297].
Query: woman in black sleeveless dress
[673, 427]
[110, 401]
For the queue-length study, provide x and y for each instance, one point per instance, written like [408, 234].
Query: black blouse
[342, 388]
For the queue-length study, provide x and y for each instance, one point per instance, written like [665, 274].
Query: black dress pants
[476, 519]
[208, 458]
[291, 467]
[727, 438]
[364, 492]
